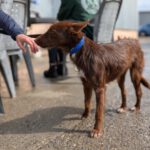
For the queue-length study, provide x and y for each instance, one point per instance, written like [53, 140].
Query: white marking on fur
[81, 73]
[121, 110]
[133, 109]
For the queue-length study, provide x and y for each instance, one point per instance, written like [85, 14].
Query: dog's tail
[145, 83]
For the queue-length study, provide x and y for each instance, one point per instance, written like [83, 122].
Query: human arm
[13, 29]
[9, 25]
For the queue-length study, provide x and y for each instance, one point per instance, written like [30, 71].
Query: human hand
[21, 39]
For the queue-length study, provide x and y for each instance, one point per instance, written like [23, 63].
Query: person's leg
[62, 68]
[53, 60]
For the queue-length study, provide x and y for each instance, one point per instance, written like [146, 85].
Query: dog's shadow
[45, 120]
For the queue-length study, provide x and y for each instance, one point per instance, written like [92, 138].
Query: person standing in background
[73, 10]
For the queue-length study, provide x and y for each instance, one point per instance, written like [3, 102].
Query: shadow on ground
[44, 120]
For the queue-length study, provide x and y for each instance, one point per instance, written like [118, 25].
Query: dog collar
[75, 49]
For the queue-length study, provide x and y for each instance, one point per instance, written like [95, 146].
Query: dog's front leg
[87, 97]
[99, 116]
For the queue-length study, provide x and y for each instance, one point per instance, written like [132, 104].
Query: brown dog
[100, 64]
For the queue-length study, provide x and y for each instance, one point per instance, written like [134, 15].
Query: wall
[46, 8]
[128, 18]
[144, 17]
[144, 11]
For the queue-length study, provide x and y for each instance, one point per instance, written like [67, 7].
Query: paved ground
[48, 117]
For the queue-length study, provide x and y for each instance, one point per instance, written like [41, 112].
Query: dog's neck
[77, 49]
[80, 57]
[78, 46]
[84, 58]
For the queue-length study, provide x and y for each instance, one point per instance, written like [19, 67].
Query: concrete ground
[48, 116]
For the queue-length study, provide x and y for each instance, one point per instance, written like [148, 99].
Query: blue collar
[78, 46]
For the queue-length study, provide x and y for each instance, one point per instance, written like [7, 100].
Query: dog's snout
[39, 41]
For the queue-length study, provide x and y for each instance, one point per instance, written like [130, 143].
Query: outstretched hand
[21, 39]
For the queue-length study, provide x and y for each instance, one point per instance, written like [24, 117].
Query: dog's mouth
[39, 42]
[42, 43]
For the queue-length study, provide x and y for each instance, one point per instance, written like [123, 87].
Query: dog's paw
[95, 133]
[85, 115]
[135, 109]
[121, 110]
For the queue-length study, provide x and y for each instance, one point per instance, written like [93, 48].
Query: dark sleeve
[9, 25]
[65, 10]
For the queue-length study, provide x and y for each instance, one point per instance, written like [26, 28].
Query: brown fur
[101, 64]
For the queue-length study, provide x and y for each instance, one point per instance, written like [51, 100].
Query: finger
[31, 46]
[35, 47]
[21, 46]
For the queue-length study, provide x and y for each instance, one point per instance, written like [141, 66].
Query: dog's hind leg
[87, 98]
[123, 106]
[136, 76]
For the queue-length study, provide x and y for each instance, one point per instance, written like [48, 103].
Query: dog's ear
[77, 27]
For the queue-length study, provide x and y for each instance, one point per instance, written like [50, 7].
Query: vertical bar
[29, 66]
[1, 106]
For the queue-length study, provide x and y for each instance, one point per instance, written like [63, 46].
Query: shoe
[51, 73]
[62, 70]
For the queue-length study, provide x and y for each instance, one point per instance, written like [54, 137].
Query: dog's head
[61, 35]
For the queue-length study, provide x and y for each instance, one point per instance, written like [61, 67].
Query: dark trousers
[56, 56]
[52, 53]
[57, 61]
